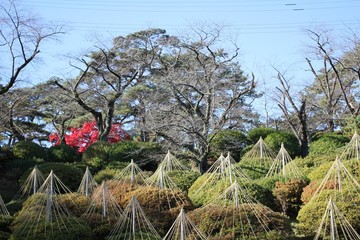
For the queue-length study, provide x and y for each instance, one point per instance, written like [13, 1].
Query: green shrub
[6, 153]
[8, 189]
[30, 222]
[63, 153]
[320, 172]
[183, 179]
[29, 150]
[5, 222]
[14, 206]
[291, 143]
[232, 141]
[203, 192]
[268, 183]
[255, 168]
[15, 168]
[76, 203]
[310, 215]
[310, 162]
[161, 206]
[106, 174]
[254, 134]
[97, 155]
[74, 230]
[326, 143]
[242, 222]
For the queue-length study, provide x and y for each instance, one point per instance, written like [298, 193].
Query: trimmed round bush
[291, 143]
[63, 153]
[254, 134]
[232, 141]
[310, 162]
[353, 166]
[97, 154]
[106, 174]
[326, 143]
[76, 229]
[288, 195]
[76, 203]
[29, 150]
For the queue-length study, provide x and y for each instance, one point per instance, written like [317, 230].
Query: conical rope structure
[103, 204]
[87, 184]
[45, 212]
[222, 171]
[173, 194]
[334, 225]
[3, 209]
[352, 149]
[184, 229]
[133, 224]
[257, 162]
[132, 173]
[337, 178]
[284, 166]
[171, 163]
[260, 153]
[237, 214]
[31, 185]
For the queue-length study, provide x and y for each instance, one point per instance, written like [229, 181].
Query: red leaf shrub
[82, 138]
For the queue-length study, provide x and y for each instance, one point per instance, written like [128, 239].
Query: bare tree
[340, 73]
[295, 115]
[325, 95]
[20, 39]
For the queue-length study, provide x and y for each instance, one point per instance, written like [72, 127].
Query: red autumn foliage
[83, 137]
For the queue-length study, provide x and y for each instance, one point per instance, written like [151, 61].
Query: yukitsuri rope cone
[235, 214]
[257, 162]
[284, 167]
[3, 210]
[338, 185]
[223, 172]
[334, 225]
[171, 163]
[339, 179]
[352, 149]
[133, 224]
[44, 213]
[87, 184]
[183, 228]
[30, 186]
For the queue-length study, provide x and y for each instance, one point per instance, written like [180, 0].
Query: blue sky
[269, 32]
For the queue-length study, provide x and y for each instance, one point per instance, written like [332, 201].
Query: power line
[186, 8]
[192, 3]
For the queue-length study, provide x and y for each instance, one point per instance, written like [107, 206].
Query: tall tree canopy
[108, 73]
[197, 90]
